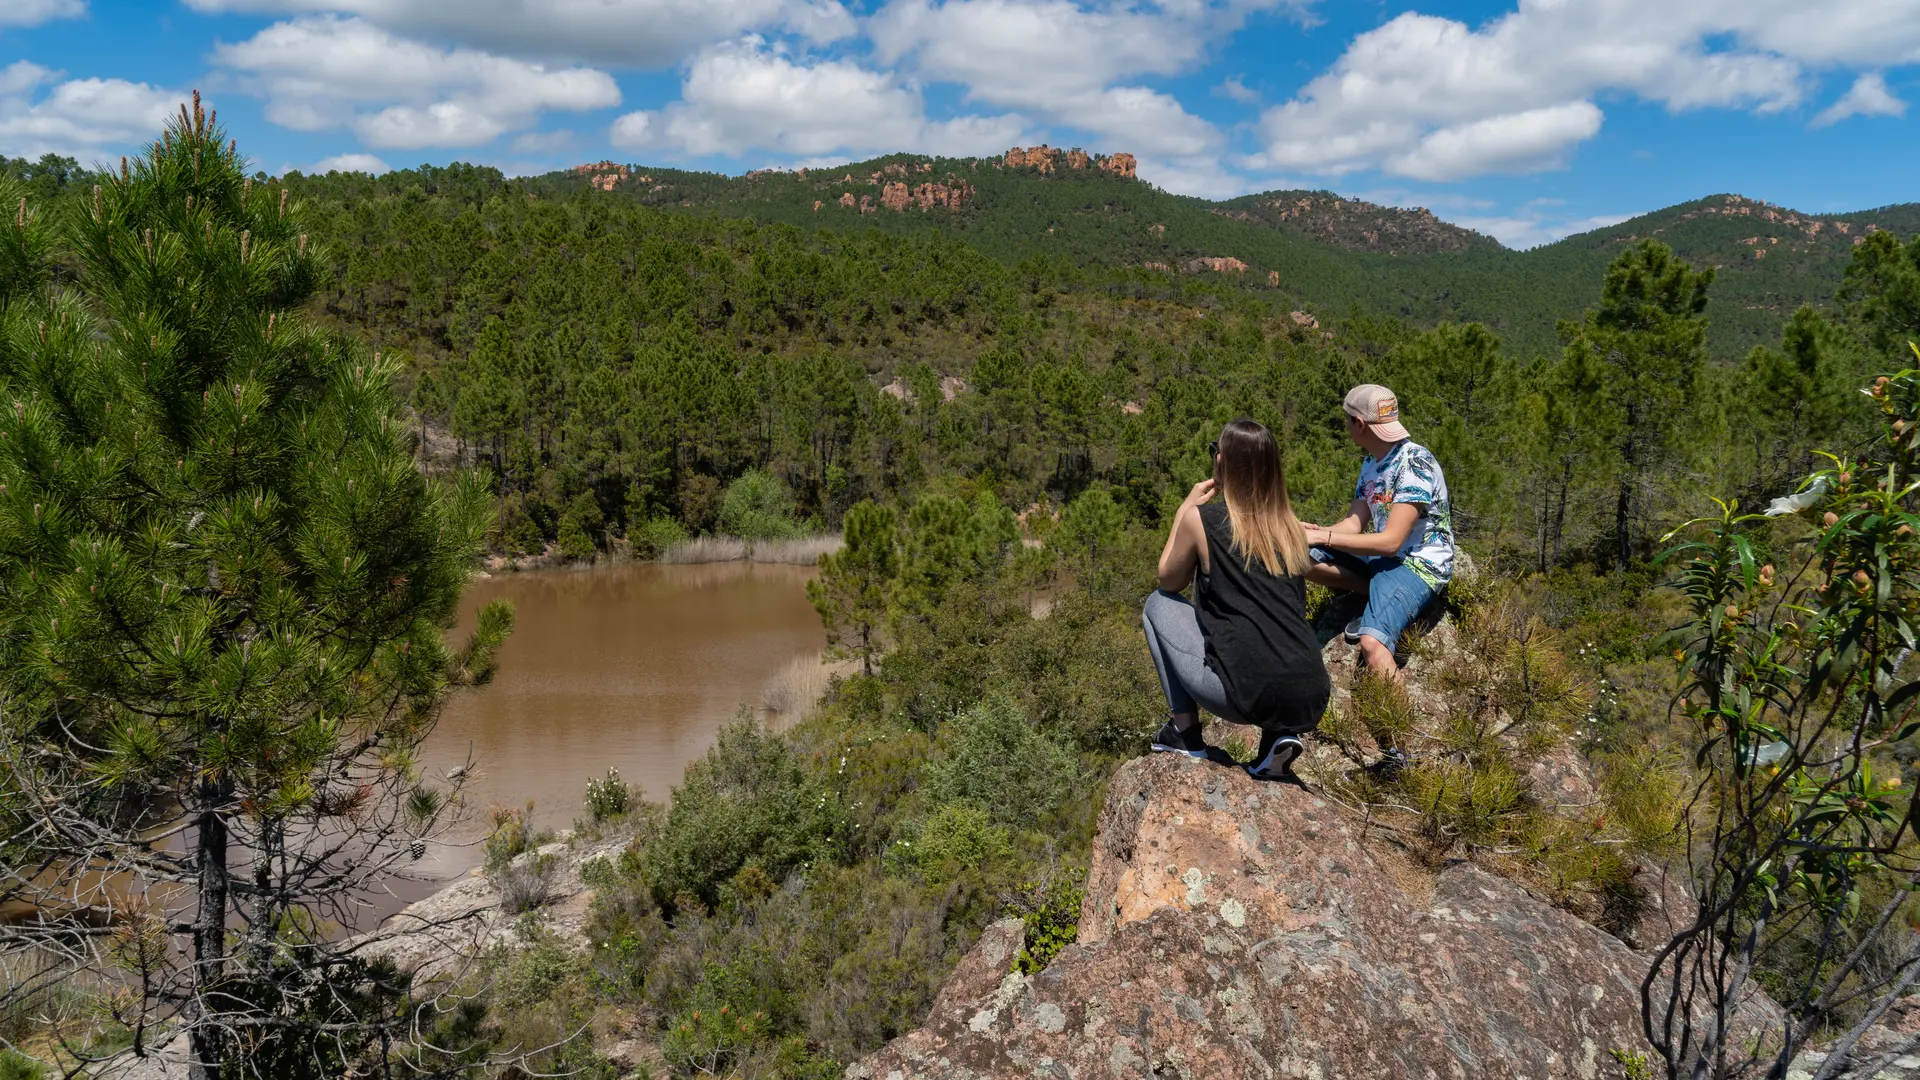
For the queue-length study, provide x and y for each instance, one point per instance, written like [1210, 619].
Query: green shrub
[1382, 709]
[996, 762]
[1051, 912]
[954, 840]
[17, 1066]
[580, 527]
[655, 535]
[751, 798]
[608, 798]
[532, 974]
[1082, 674]
[510, 835]
[757, 507]
[708, 1039]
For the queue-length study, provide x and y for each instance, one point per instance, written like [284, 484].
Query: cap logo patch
[1389, 411]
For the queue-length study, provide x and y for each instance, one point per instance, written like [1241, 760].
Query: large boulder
[1240, 929]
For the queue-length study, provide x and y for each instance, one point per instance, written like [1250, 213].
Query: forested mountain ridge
[1769, 260]
[1353, 224]
[1296, 249]
[1321, 251]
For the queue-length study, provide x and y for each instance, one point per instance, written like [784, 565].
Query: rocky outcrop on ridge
[1352, 224]
[1046, 160]
[1239, 929]
[606, 175]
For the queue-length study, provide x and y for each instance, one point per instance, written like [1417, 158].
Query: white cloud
[1434, 98]
[646, 33]
[1529, 228]
[1062, 59]
[1518, 142]
[544, 142]
[35, 12]
[22, 76]
[1235, 90]
[1868, 97]
[359, 163]
[746, 95]
[328, 72]
[80, 118]
[1205, 176]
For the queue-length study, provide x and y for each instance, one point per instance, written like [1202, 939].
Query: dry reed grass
[796, 688]
[799, 551]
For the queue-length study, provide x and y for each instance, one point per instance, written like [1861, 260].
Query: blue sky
[1528, 119]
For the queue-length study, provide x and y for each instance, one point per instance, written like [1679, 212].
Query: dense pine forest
[871, 362]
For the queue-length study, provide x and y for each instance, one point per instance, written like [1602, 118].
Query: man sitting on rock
[1396, 542]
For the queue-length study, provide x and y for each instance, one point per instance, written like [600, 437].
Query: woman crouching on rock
[1242, 650]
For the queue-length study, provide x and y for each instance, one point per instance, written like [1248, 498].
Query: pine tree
[1457, 388]
[1648, 336]
[1089, 533]
[1881, 295]
[223, 593]
[1797, 398]
[855, 586]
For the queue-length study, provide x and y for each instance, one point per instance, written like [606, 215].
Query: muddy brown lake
[633, 667]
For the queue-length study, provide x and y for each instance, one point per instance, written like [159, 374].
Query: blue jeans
[1395, 594]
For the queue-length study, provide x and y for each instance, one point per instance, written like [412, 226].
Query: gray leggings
[1179, 654]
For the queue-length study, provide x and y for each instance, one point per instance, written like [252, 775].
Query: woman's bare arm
[1186, 547]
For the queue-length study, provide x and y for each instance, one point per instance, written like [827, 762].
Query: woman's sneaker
[1278, 764]
[1172, 740]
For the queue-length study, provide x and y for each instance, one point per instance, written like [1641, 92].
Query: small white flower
[1793, 504]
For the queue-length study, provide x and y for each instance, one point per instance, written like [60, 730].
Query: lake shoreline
[794, 551]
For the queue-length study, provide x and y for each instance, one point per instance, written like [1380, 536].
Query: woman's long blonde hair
[1259, 515]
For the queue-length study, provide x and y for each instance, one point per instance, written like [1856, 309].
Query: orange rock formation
[1045, 159]
[1219, 264]
[603, 175]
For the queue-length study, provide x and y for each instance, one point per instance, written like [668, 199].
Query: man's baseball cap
[1376, 407]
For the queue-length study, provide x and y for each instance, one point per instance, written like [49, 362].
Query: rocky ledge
[1240, 929]
[449, 930]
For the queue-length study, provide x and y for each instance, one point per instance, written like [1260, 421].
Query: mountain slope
[1302, 249]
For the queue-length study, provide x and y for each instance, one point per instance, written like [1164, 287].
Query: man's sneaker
[1278, 764]
[1388, 769]
[1352, 632]
[1172, 740]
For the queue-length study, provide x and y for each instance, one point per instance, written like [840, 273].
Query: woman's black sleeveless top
[1258, 639]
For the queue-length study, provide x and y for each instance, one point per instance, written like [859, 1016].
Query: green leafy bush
[511, 834]
[751, 798]
[996, 762]
[757, 507]
[1051, 911]
[954, 840]
[655, 535]
[580, 527]
[708, 1039]
[609, 797]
